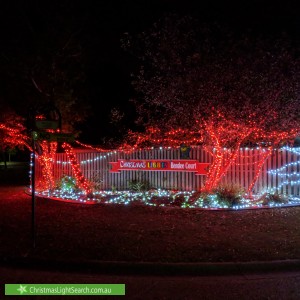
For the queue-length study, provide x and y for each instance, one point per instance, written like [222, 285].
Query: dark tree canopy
[188, 69]
[41, 59]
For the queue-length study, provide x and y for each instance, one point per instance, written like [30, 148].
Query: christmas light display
[97, 149]
[221, 138]
[264, 155]
[30, 170]
[287, 177]
[67, 184]
[80, 180]
[15, 136]
[165, 198]
[146, 198]
[83, 162]
[46, 159]
[84, 194]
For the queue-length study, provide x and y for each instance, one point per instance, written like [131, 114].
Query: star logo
[22, 289]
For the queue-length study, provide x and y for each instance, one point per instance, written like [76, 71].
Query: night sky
[98, 26]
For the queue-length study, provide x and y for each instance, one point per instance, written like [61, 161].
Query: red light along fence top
[182, 165]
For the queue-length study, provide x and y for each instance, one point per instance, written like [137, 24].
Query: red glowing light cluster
[221, 135]
[40, 117]
[46, 159]
[14, 136]
[80, 179]
[91, 147]
[223, 138]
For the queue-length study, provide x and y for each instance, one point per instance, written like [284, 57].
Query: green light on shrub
[67, 184]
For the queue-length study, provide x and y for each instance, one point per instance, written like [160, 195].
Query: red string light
[46, 160]
[14, 137]
[80, 179]
[219, 135]
[97, 149]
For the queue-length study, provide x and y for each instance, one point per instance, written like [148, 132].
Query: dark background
[98, 27]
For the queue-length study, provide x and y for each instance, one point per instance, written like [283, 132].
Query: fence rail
[95, 167]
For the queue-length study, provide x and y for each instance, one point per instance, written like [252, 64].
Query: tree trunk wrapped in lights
[222, 139]
[47, 159]
[80, 179]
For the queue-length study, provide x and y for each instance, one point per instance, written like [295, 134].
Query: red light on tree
[80, 180]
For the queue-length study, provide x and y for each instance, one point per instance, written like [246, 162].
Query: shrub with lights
[67, 185]
[272, 199]
[138, 185]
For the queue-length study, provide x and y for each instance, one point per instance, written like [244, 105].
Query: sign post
[33, 234]
[36, 126]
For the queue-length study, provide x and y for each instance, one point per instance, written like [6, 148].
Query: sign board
[46, 124]
[176, 165]
[56, 137]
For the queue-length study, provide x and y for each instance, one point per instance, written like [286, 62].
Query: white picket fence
[95, 167]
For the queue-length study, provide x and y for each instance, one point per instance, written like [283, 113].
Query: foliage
[187, 69]
[269, 198]
[138, 185]
[113, 188]
[218, 92]
[12, 130]
[160, 201]
[67, 184]
[225, 195]
[96, 182]
[52, 68]
[179, 200]
[229, 194]
[203, 199]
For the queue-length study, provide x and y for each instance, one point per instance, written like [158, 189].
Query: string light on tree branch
[80, 180]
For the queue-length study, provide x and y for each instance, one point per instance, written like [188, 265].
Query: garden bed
[182, 199]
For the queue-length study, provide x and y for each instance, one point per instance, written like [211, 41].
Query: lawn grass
[111, 232]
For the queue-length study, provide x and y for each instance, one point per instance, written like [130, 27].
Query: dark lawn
[140, 233]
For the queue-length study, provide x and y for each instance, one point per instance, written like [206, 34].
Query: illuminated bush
[230, 195]
[138, 186]
[67, 184]
[222, 196]
[269, 199]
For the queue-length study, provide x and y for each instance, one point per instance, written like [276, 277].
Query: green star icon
[22, 289]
